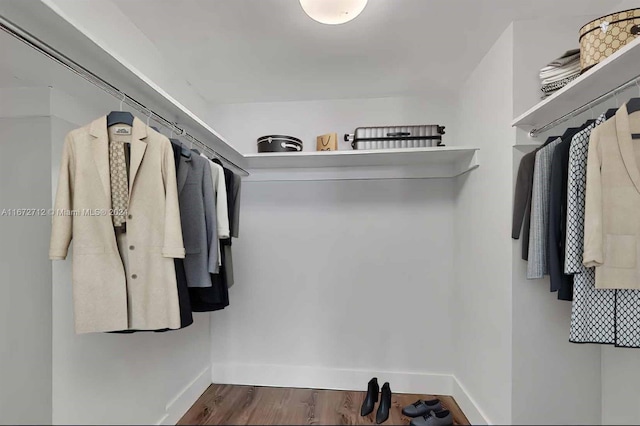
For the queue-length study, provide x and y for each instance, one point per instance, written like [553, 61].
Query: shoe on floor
[372, 397]
[422, 408]
[440, 418]
[385, 404]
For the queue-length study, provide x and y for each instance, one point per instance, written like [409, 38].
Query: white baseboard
[328, 378]
[180, 404]
[468, 405]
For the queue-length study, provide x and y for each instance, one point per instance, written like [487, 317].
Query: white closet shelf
[405, 163]
[614, 71]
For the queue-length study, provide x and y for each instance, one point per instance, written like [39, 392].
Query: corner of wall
[180, 404]
[468, 404]
[482, 291]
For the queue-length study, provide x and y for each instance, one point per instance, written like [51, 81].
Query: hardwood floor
[253, 405]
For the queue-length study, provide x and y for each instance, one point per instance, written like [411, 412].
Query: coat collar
[625, 142]
[98, 129]
[183, 171]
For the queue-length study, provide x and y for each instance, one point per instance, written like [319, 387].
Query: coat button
[134, 276]
[130, 217]
[132, 247]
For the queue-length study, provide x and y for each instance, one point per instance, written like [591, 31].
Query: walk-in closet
[285, 212]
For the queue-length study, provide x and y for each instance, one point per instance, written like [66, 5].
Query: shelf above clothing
[405, 163]
[614, 71]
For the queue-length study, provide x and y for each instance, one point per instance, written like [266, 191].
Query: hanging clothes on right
[605, 316]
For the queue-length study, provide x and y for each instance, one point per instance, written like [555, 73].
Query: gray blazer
[538, 265]
[198, 219]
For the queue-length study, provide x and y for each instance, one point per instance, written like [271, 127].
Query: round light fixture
[333, 12]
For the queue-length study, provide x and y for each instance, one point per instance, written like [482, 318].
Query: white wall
[620, 390]
[25, 283]
[338, 281]
[244, 123]
[482, 289]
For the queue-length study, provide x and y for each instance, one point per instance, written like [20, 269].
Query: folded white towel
[560, 70]
[561, 76]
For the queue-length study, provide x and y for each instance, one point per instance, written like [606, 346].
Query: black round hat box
[279, 143]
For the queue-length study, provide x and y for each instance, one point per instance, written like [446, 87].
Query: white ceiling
[269, 50]
[231, 51]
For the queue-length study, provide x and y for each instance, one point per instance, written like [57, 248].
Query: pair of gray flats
[428, 413]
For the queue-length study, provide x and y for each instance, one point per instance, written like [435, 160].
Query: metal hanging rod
[55, 55]
[597, 101]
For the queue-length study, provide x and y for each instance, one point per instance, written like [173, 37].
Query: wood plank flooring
[253, 405]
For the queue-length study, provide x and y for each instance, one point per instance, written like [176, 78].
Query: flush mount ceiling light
[333, 12]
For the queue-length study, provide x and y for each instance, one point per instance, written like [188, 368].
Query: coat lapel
[100, 149]
[183, 172]
[626, 146]
[138, 147]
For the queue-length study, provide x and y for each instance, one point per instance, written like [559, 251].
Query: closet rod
[610, 94]
[55, 55]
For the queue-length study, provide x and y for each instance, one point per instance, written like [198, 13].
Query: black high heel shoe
[385, 404]
[371, 398]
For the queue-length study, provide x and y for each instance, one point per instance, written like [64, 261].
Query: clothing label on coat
[122, 131]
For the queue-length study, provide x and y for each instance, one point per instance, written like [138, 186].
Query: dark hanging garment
[522, 202]
[233, 184]
[556, 238]
[233, 205]
[212, 298]
[558, 222]
[228, 181]
[186, 317]
[176, 154]
[522, 198]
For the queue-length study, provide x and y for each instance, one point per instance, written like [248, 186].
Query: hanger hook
[148, 118]
[124, 97]
[171, 135]
[638, 86]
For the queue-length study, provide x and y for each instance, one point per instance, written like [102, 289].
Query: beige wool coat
[612, 209]
[104, 299]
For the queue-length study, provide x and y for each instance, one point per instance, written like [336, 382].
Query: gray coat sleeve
[237, 186]
[210, 218]
[522, 196]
